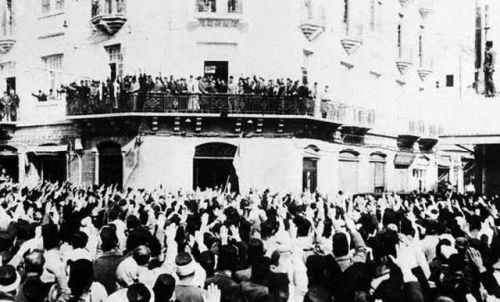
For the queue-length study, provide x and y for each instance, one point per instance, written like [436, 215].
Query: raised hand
[213, 294]
[476, 259]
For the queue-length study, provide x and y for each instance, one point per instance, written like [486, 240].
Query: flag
[237, 161]
[237, 158]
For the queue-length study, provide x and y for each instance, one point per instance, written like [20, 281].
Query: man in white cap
[186, 289]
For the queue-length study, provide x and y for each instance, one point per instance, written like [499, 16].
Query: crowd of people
[137, 92]
[59, 242]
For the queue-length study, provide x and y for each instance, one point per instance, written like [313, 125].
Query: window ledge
[51, 14]
[217, 15]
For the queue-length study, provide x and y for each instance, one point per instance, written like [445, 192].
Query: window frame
[46, 6]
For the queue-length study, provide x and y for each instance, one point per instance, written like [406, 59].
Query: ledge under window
[51, 14]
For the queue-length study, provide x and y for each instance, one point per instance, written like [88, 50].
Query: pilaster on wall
[364, 172]
[390, 173]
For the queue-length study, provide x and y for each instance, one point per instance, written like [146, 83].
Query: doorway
[9, 161]
[309, 174]
[110, 164]
[52, 167]
[10, 83]
[217, 70]
[213, 167]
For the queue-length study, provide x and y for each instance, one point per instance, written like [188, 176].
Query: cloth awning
[404, 159]
[48, 150]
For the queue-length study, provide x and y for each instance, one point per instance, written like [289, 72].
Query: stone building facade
[376, 56]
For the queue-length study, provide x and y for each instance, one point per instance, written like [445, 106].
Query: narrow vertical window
[420, 50]
[346, 16]
[59, 4]
[45, 6]
[373, 9]
[399, 44]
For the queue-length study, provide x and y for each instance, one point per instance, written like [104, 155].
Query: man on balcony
[489, 69]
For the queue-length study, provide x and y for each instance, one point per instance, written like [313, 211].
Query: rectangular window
[54, 65]
[346, 16]
[59, 4]
[206, 6]
[449, 80]
[45, 6]
[115, 61]
[372, 14]
[234, 6]
[400, 41]
[420, 51]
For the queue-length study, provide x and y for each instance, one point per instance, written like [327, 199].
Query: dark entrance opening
[52, 166]
[310, 174]
[11, 83]
[217, 69]
[110, 164]
[213, 167]
[9, 161]
[112, 71]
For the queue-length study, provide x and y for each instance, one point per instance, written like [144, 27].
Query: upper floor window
[345, 19]
[45, 6]
[420, 50]
[54, 65]
[108, 7]
[400, 40]
[115, 61]
[373, 10]
[51, 6]
[59, 4]
[450, 80]
[206, 6]
[7, 19]
[234, 6]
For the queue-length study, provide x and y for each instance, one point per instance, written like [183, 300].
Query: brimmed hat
[184, 265]
[9, 279]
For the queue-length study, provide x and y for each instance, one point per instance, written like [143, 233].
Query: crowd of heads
[60, 242]
[209, 84]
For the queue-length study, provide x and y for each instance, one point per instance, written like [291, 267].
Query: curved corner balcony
[312, 29]
[410, 134]
[403, 65]
[109, 16]
[353, 39]
[405, 3]
[429, 138]
[425, 8]
[6, 44]
[214, 105]
[424, 73]
[7, 40]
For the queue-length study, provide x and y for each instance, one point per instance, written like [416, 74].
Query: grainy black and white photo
[249, 151]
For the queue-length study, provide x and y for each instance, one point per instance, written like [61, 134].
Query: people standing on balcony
[116, 93]
[489, 69]
[325, 101]
[41, 97]
[232, 86]
[7, 105]
[14, 105]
